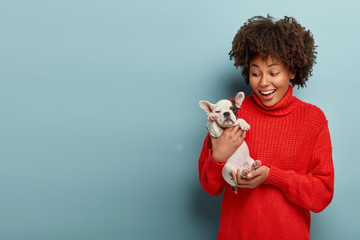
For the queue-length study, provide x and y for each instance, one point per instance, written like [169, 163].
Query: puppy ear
[206, 106]
[239, 99]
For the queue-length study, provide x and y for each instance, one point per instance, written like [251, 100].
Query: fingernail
[249, 175]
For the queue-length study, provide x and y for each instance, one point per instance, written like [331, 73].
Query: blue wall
[100, 127]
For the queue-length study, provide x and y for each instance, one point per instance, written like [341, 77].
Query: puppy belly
[239, 160]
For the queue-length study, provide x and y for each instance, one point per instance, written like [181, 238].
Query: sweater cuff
[213, 166]
[278, 178]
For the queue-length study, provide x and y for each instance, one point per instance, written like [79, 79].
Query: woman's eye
[274, 74]
[255, 74]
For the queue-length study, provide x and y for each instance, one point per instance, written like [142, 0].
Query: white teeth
[267, 92]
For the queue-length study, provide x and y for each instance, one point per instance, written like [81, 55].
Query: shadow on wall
[236, 83]
[206, 209]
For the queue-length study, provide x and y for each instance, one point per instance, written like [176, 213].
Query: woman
[290, 137]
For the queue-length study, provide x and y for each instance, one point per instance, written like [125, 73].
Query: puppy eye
[218, 111]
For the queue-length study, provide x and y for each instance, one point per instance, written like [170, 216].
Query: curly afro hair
[285, 40]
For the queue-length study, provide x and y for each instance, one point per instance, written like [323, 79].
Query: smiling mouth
[267, 93]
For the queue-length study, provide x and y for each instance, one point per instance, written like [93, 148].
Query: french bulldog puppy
[222, 115]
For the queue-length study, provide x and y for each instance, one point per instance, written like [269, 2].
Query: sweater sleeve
[314, 190]
[210, 171]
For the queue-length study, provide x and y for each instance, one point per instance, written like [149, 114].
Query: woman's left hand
[253, 179]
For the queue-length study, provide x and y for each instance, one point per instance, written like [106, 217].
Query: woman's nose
[264, 81]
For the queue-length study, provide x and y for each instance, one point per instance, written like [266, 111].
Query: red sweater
[292, 138]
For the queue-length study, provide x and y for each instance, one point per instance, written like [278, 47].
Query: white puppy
[222, 115]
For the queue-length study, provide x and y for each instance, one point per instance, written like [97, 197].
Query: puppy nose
[226, 114]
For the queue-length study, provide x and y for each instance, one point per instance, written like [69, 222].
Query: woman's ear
[292, 75]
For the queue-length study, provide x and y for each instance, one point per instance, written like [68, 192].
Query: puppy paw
[244, 173]
[212, 117]
[256, 164]
[244, 126]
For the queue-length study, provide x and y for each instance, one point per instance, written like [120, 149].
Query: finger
[240, 140]
[235, 128]
[233, 176]
[244, 183]
[254, 174]
[239, 132]
[238, 176]
[243, 186]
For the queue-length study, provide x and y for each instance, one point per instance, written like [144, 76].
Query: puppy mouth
[228, 121]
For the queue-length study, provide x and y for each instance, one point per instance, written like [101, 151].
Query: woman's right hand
[225, 145]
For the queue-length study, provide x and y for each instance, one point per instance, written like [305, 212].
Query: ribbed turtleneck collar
[285, 106]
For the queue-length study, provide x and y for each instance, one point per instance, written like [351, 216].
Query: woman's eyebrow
[271, 65]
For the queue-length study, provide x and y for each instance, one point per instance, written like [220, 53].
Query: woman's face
[269, 79]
